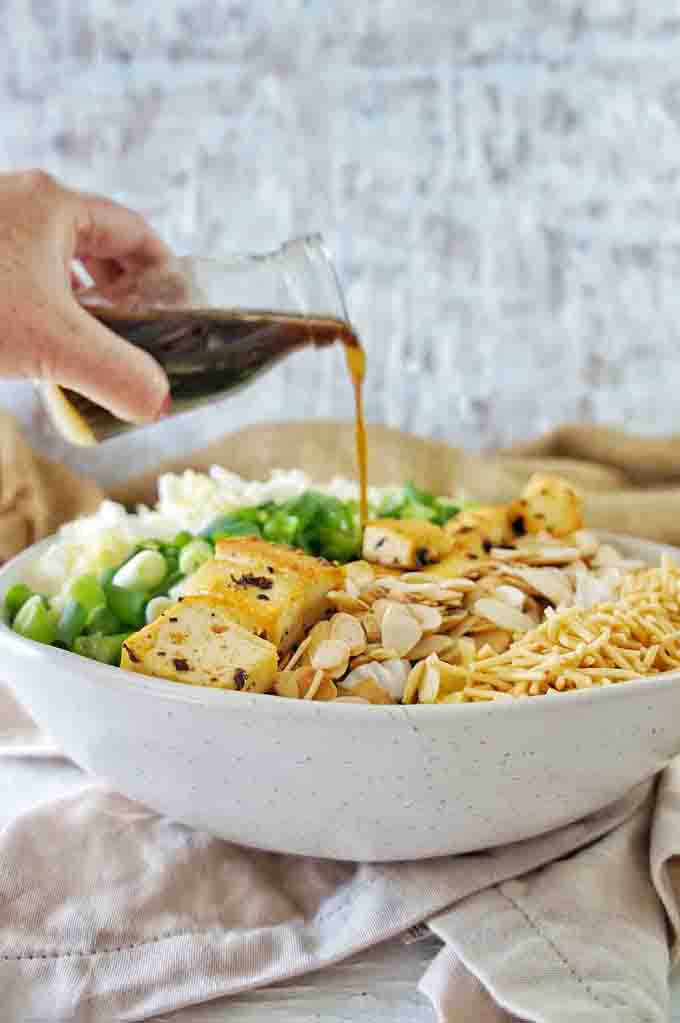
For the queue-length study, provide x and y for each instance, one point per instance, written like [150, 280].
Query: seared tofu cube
[476, 531]
[197, 642]
[406, 543]
[270, 590]
[548, 504]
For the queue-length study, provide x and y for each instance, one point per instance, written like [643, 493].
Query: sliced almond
[379, 608]
[391, 675]
[350, 631]
[286, 685]
[360, 572]
[327, 691]
[292, 661]
[399, 630]
[511, 595]
[461, 585]
[371, 627]
[319, 634]
[295, 683]
[429, 618]
[498, 639]
[413, 683]
[548, 582]
[331, 656]
[315, 686]
[428, 689]
[549, 554]
[346, 602]
[434, 591]
[430, 645]
[502, 615]
[370, 690]
[452, 621]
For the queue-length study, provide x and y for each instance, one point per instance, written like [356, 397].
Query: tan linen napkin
[138, 915]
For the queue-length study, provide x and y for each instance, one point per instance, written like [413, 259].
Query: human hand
[44, 330]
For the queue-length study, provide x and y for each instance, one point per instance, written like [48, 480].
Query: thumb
[87, 357]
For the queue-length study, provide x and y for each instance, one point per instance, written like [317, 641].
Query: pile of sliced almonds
[404, 638]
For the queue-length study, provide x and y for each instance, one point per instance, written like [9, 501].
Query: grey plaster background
[498, 181]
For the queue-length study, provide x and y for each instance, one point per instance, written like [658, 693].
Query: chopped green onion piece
[101, 648]
[71, 622]
[15, 598]
[182, 539]
[148, 545]
[35, 621]
[103, 620]
[339, 546]
[156, 607]
[194, 555]
[229, 525]
[105, 577]
[170, 580]
[416, 510]
[127, 605]
[142, 572]
[281, 528]
[87, 591]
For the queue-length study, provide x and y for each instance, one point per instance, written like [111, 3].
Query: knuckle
[38, 180]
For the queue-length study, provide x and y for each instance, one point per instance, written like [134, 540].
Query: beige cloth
[137, 915]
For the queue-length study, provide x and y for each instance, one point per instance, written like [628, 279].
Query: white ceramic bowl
[347, 781]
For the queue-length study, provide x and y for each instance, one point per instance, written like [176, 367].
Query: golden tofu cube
[197, 642]
[406, 543]
[478, 530]
[548, 503]
[272, 591]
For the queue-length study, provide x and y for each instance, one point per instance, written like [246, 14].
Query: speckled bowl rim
[43, 656]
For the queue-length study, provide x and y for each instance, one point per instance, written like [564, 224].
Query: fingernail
[166, 406]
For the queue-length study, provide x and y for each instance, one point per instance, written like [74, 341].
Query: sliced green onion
[229, 525]
[15, 598]
[156, 607]
[103, 620]
[182, 539]
[87, 590]
[71, 622]
[281, 528]
[194, 555]
[101, 648]
[142, 572]
[35, 621]
[127, 605]
[337, 545]
[105, 577]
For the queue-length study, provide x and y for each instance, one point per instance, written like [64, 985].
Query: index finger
[108, 231]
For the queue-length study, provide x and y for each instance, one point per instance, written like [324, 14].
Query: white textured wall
[498, 180]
